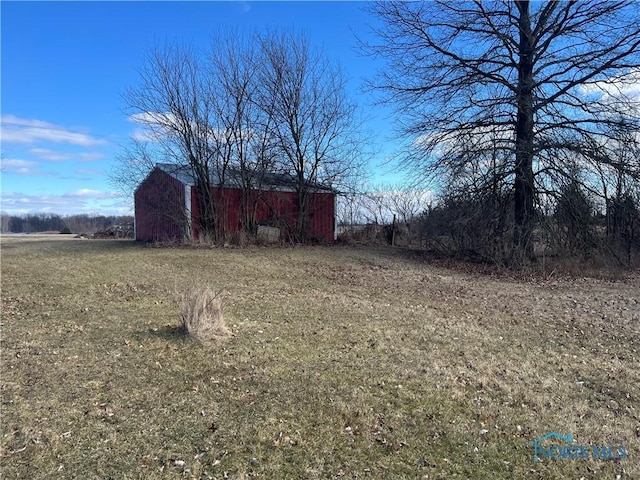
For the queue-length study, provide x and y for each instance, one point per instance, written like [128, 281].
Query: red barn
[166, 207]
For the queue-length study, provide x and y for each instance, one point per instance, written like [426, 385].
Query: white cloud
[627, 86]
[153, 118]
[156, 126]
[11, 163]
[89, 193]
[153, 126]
[19, 167]
[51, 155]
[13, 202]
[19, 130]
[144, 135]
[79, 201]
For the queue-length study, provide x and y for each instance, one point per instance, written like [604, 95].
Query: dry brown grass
[202, 313]
[344, 363]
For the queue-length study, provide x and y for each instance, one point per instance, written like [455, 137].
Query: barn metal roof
[268, 180]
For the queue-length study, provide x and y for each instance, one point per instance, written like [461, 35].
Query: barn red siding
[161, 213]
[322, 212]
[228, 205]
[159, 208]
[281, 210]
[274, 208]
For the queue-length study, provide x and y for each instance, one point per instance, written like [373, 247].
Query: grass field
[345, 363]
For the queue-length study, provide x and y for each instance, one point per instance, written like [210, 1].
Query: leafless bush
[475, 227]
[366, 234]
[202, 314]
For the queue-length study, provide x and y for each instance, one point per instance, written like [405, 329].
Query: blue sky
[65, 66]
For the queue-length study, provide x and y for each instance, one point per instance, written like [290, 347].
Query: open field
[345, 363]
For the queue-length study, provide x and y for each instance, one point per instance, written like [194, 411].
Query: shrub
[201, 310]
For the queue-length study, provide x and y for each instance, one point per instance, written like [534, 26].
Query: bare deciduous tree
[134, 163]
[5, 221]
[235, 65]
[174, 99]
[534, 82]
[248, 107]
[313, 122]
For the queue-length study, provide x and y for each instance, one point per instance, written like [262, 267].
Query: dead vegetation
[202, 314]
[345, 363]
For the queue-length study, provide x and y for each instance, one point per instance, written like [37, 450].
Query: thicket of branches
[523, 115]
[580, 223]
[246, 107]
[575, 225]
[382, 213]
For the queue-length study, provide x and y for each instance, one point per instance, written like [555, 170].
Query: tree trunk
[524, 213]
[208, 219]
[301, 222]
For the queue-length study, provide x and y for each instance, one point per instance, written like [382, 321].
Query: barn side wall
[322, 212]
[274, 208]
[160, 208]
[227, 204]
[280, 209]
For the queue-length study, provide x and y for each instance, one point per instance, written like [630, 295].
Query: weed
[202, 314]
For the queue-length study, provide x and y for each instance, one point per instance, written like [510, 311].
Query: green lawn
[345, 363]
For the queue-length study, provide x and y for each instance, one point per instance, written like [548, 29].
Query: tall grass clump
[202, 314]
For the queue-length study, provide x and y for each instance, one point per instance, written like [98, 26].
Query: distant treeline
[51, 222]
